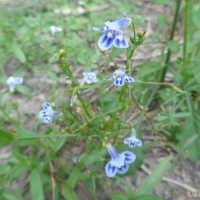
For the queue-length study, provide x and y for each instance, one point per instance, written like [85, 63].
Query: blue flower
[12, 81]
[120, 77]
[90, 77]
[54, 30]
[75, 159]
[119, 162]
[48, 113]
[113, 34]
[133, 141]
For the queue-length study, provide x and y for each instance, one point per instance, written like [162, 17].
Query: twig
[181, 184]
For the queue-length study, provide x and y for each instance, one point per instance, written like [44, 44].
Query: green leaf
[24, 90]
[154, 178]
[148, 197]
[76, 175]
[18, 52]
[36, 188]
[67, 192]
[173, 46]
[91, 157]
[6, 138]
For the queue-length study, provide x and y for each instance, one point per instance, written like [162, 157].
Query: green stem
[66, 68]
[171, 38]
[185, 33]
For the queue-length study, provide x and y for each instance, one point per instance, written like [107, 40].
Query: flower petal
[19, 80]
[129, 157]
[119, 81]
[126, 141]
[129, 79]
[139, 143]
[120, 42]
[47, 120]
[98, 29]
[132, 144]
[110, 170]
[106, 40]
[119, 25]
[46, 105]
[43, 114]
[10, 80]
[11, 87]
[55, 112]
[123, 169]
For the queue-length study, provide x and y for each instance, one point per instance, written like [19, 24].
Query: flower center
[110, 34]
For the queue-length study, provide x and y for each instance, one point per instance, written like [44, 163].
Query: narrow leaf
[36, 188]
[67, 192]
[154, 178]
[7, 138]
[18, 52]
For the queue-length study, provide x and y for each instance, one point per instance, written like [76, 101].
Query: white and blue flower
[54, 30]
[120, 77]
[133, 141]
[91, 77]
[119, 162]
[12, 81]
[113, 34]
[47, 113]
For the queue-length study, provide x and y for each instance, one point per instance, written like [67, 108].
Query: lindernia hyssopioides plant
[112, 36]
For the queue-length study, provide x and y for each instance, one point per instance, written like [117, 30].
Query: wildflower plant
[96, 118]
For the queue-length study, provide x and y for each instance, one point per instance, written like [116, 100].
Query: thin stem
[171, 38]
[145, 115]
[133, 27]
[185, 33]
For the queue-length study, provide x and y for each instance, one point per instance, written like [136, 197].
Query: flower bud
[61, 53]
[141, 34]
